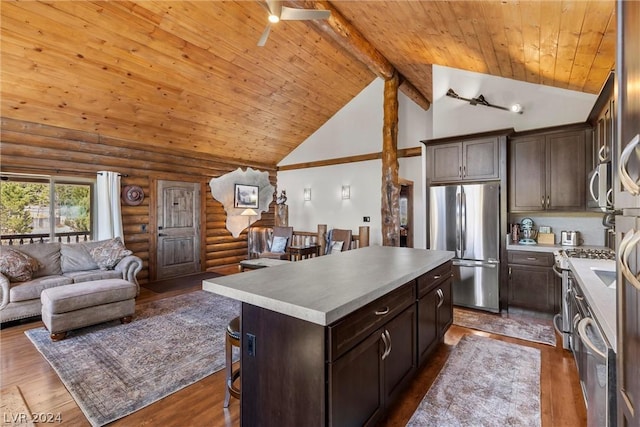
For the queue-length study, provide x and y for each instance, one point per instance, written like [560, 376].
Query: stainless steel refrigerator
[466, 219]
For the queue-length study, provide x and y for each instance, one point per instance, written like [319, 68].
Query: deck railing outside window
[69, 237]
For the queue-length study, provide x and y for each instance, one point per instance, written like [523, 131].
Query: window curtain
[108, 213]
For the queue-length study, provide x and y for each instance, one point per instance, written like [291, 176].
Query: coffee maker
[527, 233]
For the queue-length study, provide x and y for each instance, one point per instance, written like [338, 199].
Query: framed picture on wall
[246, 196]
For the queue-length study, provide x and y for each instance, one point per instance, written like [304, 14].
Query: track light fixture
[480, 100]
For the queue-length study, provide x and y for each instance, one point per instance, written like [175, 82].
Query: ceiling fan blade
[264, 5]
[265, 35]
[290, 14]
[274, 7]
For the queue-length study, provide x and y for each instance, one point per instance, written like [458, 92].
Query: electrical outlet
[251, 345]
[366, 219]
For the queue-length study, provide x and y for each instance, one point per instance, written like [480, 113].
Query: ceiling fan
[277, 13]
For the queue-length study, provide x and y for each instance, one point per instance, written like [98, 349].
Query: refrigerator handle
[463, 221]
[458, 225]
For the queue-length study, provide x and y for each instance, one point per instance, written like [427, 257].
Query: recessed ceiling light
[274, 19]
[516, 108]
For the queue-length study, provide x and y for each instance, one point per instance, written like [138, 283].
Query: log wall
[27, 147]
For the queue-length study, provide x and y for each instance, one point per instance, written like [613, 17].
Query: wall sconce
[307, 194]
[480, 100]
[346, 192]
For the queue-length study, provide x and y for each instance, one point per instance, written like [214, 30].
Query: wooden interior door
[178, 250]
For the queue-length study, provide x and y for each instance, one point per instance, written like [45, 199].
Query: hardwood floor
[201, 404]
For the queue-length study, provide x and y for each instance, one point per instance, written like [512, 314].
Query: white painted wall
[326, 205]
[357, 129]
[543, 106]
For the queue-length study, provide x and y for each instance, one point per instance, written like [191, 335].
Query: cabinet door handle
[464, 171]
[382, 312]
[387, 343]
[441, 296]
[460, 171]
[531, 258]
[626, 270]
[625, 179]
[437, 276]
[602, 153]
[542, 201]
[548, 202]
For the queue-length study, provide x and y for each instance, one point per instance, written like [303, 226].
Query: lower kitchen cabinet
[435, 309]
[532, 283]
[369, 377]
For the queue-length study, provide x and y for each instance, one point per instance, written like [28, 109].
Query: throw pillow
[17, 266]
[279, 244]
[109, 253]
[76, 257]
[336, 247]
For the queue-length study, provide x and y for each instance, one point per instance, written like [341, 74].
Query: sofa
[26, 270]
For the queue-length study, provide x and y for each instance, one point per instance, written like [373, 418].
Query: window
[47, 209]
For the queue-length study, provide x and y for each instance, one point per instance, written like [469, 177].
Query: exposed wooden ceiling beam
[346, 35]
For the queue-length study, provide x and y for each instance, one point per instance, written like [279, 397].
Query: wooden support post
[390, 186]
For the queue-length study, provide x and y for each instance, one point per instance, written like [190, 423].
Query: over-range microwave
[599, 188]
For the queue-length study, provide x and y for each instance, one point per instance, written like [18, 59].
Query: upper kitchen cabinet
[548, 169]
[466, 158]
[603, 118]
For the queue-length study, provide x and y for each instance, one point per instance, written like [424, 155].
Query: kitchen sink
[606, 276]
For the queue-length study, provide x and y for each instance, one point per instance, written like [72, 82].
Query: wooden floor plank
[201, 403]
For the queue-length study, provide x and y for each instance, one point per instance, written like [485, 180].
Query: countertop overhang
[324, 289]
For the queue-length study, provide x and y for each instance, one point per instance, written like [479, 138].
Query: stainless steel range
[564, 320]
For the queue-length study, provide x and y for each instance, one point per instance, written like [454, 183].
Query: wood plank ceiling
[188, 74]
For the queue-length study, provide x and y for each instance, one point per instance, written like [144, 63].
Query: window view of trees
[26, 208]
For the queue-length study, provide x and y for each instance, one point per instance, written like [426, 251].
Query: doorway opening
[406, 213]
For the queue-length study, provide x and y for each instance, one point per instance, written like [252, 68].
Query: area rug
[112, 370]
[485, 382]
[179, 283]
[528, 329]
[14, 409]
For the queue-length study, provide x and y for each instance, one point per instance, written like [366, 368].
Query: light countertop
[601, 299]
[324, 289]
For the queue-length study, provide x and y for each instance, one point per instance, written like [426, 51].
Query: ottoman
[86, 303]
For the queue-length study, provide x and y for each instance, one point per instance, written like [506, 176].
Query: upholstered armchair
[338, 240]
[278, 243]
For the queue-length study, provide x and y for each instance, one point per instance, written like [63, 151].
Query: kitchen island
[332, 340]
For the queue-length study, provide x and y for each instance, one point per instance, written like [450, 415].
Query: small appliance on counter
[570, 238]
[527, 232]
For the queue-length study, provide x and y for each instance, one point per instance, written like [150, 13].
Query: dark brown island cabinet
[296, 372]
